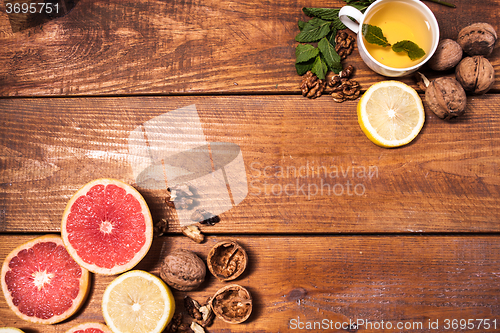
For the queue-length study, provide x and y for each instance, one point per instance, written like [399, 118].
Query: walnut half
[232, 304]
[227, 260]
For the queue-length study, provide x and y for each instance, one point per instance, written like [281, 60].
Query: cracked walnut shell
[232, 304]
[475, 74]
[227, 260]
[183, 270]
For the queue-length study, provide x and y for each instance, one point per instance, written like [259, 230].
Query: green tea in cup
[398, 21]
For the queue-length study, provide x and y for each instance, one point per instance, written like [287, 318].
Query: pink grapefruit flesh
[42, 283]
[107, 226]
[89, 328]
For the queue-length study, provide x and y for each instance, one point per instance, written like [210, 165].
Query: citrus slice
[107, 226]
[42, 283]
[391, 113]
[89, 328]
[137, 302]
[10, 330]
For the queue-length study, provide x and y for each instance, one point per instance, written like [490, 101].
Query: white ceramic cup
[348, 12]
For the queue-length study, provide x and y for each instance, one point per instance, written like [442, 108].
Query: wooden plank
[179, 47]
[308, 166]
[337, 279]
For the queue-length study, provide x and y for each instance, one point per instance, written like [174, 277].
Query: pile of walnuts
[184, 270]
[446, 96]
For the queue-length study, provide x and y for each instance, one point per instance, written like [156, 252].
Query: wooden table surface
[408, 235]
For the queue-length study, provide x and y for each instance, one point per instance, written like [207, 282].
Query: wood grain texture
[128, 47]
[395, 279]
[309, 168]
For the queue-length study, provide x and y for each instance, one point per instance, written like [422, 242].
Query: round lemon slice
[137, 302]
[391, 113]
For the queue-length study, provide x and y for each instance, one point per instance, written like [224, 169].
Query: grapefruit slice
[89, 328]
[107, 226]
[42, 283]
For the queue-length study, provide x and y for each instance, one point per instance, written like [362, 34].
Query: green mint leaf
[301, 25]
[327, 14]
[337, 68]
[305, 52]
[331, 36]
[319, 68]
[313, 30]
[413, 50]
[303, 67]
[374, 35]
[329, 54]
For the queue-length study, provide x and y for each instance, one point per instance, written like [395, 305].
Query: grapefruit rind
[117, 269]
[165, 292]
[77, 301]
[84, 326]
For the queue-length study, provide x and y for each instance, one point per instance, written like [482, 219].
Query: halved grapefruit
[90, 327]
[107, 226]
[42, 283]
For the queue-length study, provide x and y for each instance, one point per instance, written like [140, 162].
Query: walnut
[183, 270]
[475, 74]
[477, 39]
[196, 328]
[175, 323]
[227, 260]
[448, 54]
[446, 97]
[347, 90]
[203, 315]
[181, 196]
[232, 304]
[204, 217]
[344, 44]
[311, 86]
[192, 308]
[193, 232]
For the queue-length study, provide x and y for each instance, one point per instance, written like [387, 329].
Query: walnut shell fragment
[227, 260]
[446, 97]
[232, 304]
[475, 74]
[183, 270]
[477, 39]
[448, 54]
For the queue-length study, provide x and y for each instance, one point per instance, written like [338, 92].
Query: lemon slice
[391, 113]
[137, 302]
